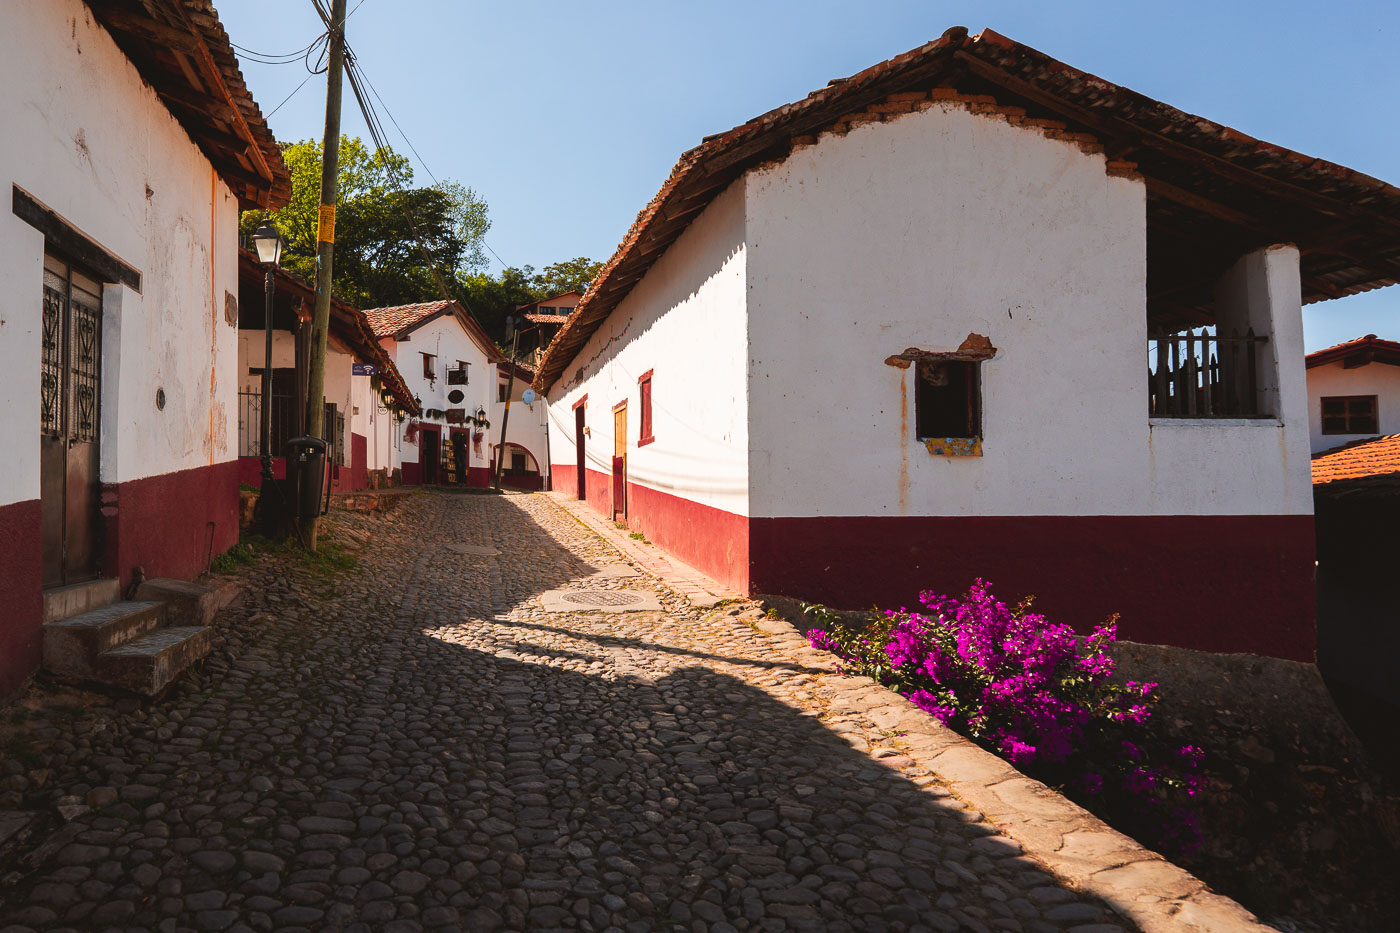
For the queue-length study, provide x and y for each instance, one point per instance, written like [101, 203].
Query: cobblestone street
[417, 744]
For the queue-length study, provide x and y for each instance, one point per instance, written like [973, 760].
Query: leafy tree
[571, 275]
[377, 258]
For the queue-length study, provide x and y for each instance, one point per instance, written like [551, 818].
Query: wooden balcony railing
[1204, 375]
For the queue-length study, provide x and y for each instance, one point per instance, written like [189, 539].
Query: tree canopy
[377, 259]
[378, 262]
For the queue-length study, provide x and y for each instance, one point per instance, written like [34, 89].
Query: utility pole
[510, 390]
[325, 244]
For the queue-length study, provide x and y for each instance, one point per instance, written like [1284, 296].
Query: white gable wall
[1379, 379]
[914, 233]
[445, 339]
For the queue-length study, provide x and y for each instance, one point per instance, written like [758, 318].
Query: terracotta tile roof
[400, 319]
[1358, 352]
[181, 49]
[547, 318]
[1235, 192]
[1367, 459]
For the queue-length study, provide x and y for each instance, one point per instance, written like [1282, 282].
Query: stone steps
[72, 645]
[141, 645]
[147, 664]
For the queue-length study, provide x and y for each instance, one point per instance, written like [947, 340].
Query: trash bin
[307, 456]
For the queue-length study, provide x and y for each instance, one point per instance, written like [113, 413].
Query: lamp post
[268, 243]
[513, 333]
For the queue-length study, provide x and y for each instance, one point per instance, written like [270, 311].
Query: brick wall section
[896, 105]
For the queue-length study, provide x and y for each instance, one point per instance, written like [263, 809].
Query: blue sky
[566, 117]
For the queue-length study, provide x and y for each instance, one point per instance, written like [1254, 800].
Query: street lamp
[268, 243]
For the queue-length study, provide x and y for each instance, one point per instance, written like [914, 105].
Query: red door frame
[581, 460]
[619, 463]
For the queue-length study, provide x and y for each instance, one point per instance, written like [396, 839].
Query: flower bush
[1037, 694]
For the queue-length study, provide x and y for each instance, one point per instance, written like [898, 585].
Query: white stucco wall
[449, 342]
[84, 135]
[917, 232]
[529, 423]
[686, 321]
[1379, 379]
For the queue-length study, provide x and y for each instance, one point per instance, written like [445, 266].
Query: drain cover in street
[478, 550]
[600, 600]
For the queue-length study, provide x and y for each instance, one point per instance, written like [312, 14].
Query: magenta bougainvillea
[1039, 695]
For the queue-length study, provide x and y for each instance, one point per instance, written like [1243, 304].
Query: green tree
[377, 258]
[571, 275]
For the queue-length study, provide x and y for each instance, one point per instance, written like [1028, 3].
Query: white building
[895, 336]
[458, 376]
[126, 162]
[1353, 392]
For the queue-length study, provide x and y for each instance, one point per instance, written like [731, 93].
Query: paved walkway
[417, 745]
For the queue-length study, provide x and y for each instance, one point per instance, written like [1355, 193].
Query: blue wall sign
[363, 369]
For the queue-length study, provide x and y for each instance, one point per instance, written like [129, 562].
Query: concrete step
[147, 664]
[72, 644]
[190, 604]
[64, 602]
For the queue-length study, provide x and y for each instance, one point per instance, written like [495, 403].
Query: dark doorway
[432, 440]
[459, 456]
[578, 444]
[71, 389]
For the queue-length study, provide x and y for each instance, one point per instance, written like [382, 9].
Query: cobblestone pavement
[415, 744]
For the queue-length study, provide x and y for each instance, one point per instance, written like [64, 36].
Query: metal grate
[50, 392]
[601, 598]
[86, 360]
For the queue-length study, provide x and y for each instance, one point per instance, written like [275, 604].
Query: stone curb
[702, 592]
[1077, 847]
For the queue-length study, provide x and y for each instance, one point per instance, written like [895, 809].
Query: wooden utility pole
[510, 390]
[325, 243]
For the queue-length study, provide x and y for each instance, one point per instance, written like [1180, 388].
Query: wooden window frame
[1350, 416]
[645, 434]
[429, 366]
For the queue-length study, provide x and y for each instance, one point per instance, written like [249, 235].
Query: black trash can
[307, 456]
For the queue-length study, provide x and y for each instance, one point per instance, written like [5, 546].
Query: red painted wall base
[21, 593]
[1219, 583]
[172, 524]
[1215, 583]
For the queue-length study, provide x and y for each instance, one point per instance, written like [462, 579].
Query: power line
[289, 96]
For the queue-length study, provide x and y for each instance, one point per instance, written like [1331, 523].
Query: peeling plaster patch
[80, 142]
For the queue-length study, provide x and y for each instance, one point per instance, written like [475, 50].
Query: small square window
[947, 398]
[429, 364]
[1349, 414]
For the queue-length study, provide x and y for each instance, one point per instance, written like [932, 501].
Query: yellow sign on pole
[325, 224]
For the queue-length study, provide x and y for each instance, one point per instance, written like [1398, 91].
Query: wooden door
[70, 394]
[431, 457]
[619, 463]
[578, 453]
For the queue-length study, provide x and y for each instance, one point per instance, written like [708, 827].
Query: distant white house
[459, 377]
[124, 165]
[974, 313]
[1353, 392]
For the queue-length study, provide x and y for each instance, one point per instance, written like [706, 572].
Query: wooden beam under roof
[118, 19]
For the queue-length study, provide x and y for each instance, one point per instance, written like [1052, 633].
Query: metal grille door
[70, 412]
